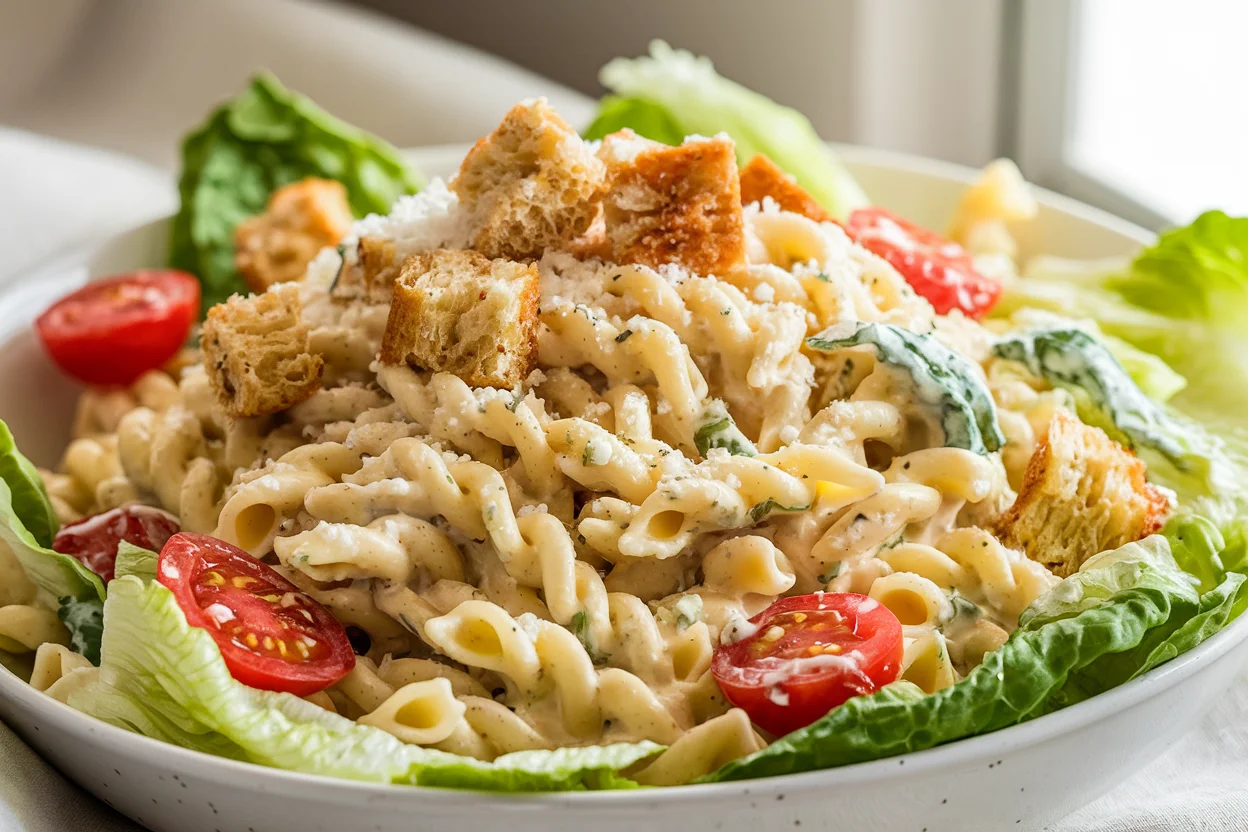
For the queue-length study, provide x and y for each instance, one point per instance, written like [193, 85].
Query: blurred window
[1137, 105]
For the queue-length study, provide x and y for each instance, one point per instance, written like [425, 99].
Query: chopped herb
[342, 265]
[579, 625]
[623, 336]
[718, 430]
[766, 507]
[894, 541]
[833, 571]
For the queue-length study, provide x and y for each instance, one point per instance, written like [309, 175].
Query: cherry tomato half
[938, 269]
[112, 331]
[94, 540]
[808, 654]
[272, 636]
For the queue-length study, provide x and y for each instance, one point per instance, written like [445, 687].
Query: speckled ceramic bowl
[1038, 771]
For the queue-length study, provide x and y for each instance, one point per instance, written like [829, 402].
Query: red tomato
[112, 331]
[808, 654]
[936, 268]
[94, 540]
[272, 636]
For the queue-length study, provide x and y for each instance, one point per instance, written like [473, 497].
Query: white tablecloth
[58, 196]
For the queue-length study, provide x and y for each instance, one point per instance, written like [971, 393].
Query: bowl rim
[982, 746]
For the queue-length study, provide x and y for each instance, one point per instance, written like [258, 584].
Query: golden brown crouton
[1083, 493]
[530, 185]
[371, 277]
[301, 219]
[762, 177]
[256, 353]
[677, 205]
[460, 312]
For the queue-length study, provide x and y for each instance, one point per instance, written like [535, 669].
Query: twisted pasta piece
[732, 492]
[756, 348]
[165, 454]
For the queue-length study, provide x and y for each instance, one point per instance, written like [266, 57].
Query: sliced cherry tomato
[938, 269]
[272, 636]
[94, 540]
[808, 654]
[112, 331]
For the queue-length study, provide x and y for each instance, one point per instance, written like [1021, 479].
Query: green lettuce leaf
[672, 94]
[941, 378]
[28, 500]
[1069, 645]
[21, 491]
[1184, 299]
[262, 139]
[136, 561]
[165, 679]
[78, 590]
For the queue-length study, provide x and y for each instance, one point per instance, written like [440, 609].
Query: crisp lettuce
[164, 678]
[941, 379]
[262, 139]
[1079, 639]
[136, 561]
[672, 94]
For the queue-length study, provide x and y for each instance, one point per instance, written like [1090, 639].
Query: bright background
[1136, 105]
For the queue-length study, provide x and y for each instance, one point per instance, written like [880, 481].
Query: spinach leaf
[1074, 360]
[265, 138]
[941, 378]
[717, 430]
[85, 621]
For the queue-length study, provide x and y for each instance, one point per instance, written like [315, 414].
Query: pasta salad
[616, 460]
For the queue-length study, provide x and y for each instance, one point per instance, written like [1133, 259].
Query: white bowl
[1032, 773]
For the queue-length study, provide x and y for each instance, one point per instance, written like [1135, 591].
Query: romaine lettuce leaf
[28, 500]
[23, 500]
[136, 561]
[163, 678]
[262, 139]
[27, 525]
[1184, 299]
[672, 94]
[1069, 646]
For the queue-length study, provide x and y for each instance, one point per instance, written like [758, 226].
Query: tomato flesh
[938, 269]
[808, 654]
[112, 331]
[272, 636]
[94, 540]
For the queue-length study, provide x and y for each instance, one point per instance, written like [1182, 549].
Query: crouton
[371, 277]
[460, 312]
[301, 219]
[1083, 493]
[256, 353]
[531, 185]
[762, 177]
[678, 205]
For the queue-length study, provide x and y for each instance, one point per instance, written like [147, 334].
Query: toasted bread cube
[256, 353]
[300, 220]
[371, 277]
[762, 177]
[1082, 494]
[460, 312]
[531, 185]
[678, 205]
